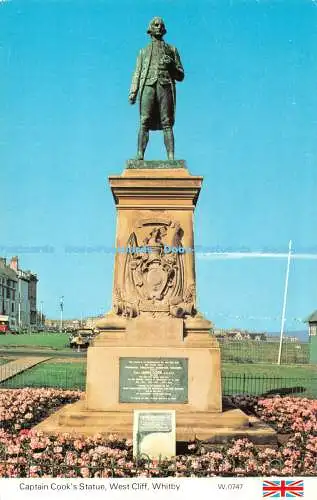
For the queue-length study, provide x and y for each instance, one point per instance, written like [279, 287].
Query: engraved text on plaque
[153, 380]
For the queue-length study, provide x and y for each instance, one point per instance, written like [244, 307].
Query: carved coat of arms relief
[153, 278]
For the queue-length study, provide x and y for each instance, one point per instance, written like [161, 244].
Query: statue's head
[157, 27]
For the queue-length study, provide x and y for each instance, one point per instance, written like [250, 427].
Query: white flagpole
[284, 302]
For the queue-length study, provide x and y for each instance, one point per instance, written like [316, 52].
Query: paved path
[30, 351]
[8, 370]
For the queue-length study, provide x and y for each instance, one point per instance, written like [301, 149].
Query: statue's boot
[143, 139]
[169, 142]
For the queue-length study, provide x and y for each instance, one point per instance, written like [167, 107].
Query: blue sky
[246, 121]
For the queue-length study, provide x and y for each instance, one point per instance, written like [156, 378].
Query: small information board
[154, 434]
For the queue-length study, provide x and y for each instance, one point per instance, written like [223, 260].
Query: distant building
[258, 336]
[72, 324]
[68, 324]
[312, 324]
[24, 316]
[8, 293]
[291, 339]
[51, 323]
[18, 294]
[286, 338]
[239, 335]
[33, 297]
[90, 322]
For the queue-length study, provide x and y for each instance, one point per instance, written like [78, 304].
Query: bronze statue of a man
[158, 67]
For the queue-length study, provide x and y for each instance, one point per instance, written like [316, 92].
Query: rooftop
[312, 317]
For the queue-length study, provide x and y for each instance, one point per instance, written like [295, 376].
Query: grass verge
[247, 379]
[52, 340]
[59, 375]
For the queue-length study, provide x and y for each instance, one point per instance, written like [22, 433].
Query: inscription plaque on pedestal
[153, 380]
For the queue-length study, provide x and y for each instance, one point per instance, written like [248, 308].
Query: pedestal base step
[215, 428]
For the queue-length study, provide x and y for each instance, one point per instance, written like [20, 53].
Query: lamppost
[41, 313]
[62, 309]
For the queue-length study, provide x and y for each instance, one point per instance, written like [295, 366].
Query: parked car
[4, 324]
[81, 338]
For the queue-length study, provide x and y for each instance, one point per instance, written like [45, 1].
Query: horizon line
[254, 255]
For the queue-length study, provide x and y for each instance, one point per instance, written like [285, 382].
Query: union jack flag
[283, 489]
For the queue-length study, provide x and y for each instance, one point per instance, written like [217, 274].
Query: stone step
[122, 426]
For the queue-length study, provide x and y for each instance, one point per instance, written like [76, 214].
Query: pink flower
[84, 472]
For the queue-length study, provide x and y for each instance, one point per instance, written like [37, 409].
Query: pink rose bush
[32, 454]
[289, 414]
[23, 408]
[285, 414]
[26, 453]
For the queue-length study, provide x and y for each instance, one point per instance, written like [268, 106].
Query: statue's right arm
[136, 79]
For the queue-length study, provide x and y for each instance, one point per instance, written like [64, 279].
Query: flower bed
[285, 414]
[289, 414]
[24, 408]
[25, 453]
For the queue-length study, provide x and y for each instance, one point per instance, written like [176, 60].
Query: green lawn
[52, 340]
[48, 374]
[236, 379]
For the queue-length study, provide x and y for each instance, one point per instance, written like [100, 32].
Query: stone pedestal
[155, 209]
[154, 350]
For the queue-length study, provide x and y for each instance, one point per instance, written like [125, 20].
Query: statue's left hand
[166, 60]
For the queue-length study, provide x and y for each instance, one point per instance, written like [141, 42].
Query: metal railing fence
[74, 377]
[269, 386]
[251, 351]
